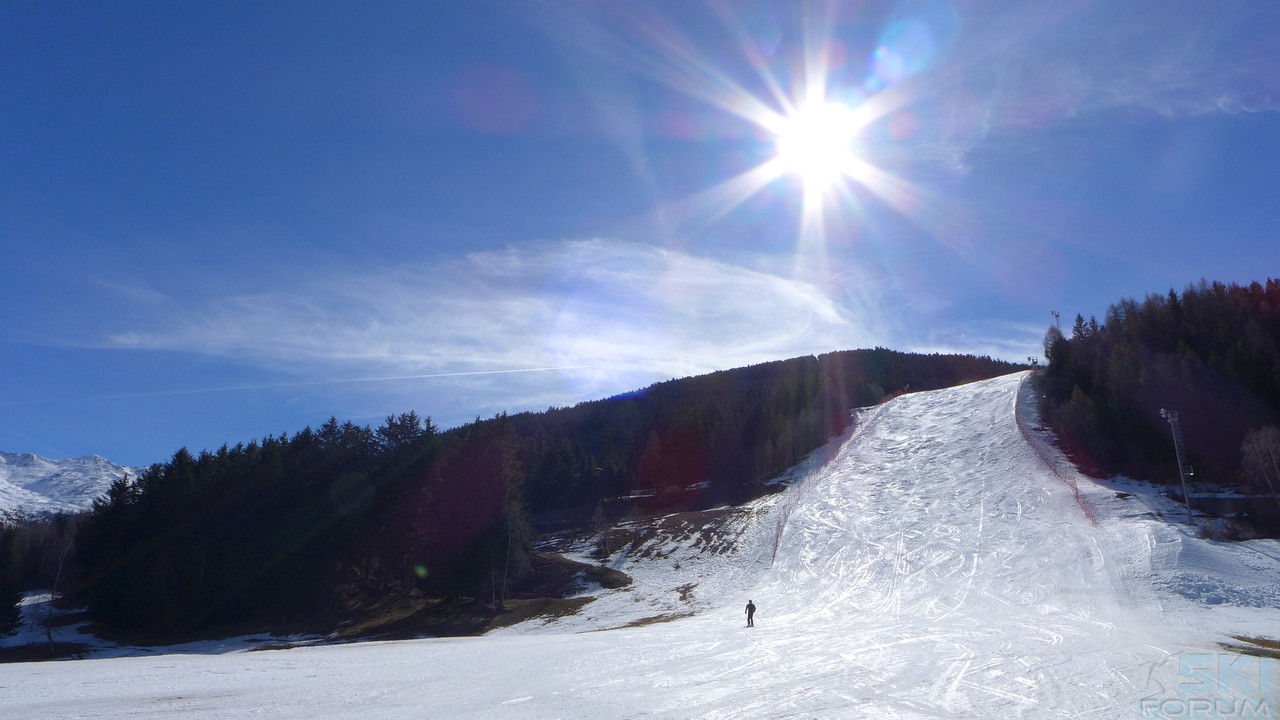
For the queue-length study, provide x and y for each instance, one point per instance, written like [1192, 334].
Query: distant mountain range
[33, 485]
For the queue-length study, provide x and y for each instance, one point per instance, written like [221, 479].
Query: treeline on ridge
[1211, 354]
[304, 527]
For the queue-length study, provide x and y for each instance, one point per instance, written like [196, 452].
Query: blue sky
[227, 220]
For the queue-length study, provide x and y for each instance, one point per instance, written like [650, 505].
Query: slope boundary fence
[1045, 454]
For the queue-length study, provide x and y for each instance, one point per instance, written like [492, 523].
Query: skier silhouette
[751, 614]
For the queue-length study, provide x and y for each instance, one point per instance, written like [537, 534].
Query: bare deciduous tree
[1260, 460]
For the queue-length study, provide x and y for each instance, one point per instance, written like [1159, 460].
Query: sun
[814, 125]
[817, 143]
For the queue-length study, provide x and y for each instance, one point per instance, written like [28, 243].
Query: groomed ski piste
[939, 562]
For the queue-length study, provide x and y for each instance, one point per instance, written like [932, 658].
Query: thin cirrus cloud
[1040, 65]
[609, 313]
[1022, 67]
[1008, 340]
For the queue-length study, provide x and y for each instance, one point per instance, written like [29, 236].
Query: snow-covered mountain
[33, 485]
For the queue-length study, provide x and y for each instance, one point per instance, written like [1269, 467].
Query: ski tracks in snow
[939, 535]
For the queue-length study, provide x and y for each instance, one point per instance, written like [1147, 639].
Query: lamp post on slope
[1183, 470]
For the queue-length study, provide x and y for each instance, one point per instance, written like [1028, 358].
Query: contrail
[313, 383]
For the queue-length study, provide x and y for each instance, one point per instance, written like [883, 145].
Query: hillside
[316, 528]
[941, 562]
[1212, 355]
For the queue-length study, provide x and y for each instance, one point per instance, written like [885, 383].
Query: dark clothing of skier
[751, 614]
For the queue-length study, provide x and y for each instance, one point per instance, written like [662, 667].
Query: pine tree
[10, 587]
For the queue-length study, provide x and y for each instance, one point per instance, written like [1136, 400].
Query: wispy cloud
[1201, 57]
[610, 311]
[1003, 339]
[1021, 67]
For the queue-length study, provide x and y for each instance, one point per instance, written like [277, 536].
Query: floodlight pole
[1183, 470]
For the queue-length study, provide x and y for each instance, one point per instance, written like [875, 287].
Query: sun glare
[817, 143]
[813, 118]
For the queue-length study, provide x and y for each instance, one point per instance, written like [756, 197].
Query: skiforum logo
[1216, 685]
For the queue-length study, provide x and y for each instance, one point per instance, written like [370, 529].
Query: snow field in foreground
[935, 567]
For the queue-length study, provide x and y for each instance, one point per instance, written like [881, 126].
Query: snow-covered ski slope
[935, 567]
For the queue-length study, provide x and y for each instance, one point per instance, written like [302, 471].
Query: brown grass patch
[519, 611]
[656, 619]
[1257, 647]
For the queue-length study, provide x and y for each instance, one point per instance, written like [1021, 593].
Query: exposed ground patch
[1257, 647]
